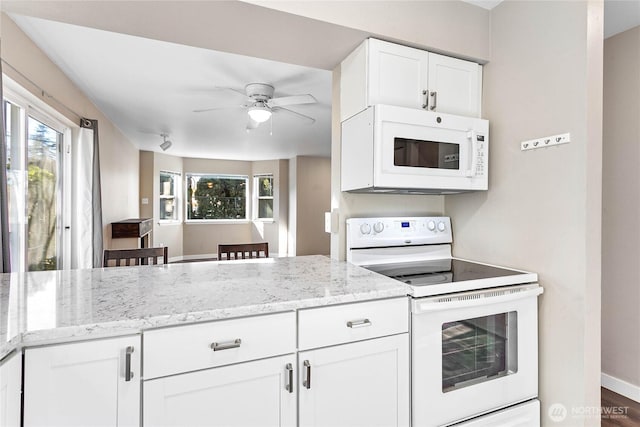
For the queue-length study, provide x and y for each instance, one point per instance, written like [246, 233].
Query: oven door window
[426, 154]
[478, 350]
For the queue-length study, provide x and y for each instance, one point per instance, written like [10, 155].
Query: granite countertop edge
[134, 326]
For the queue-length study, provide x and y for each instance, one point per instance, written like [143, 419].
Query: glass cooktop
[435, 272]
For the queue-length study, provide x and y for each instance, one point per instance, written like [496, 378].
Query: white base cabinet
[10, 386]
[359, 384]
[248, 394]
[83, 384]
[350, 367]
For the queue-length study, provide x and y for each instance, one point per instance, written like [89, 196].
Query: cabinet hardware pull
[435, 100]
[289, 368]
[127, 363]
[358, 323]
[426, 99]
[307, 382]
[217, 346]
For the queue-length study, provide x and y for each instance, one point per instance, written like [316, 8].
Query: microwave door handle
[473, 146]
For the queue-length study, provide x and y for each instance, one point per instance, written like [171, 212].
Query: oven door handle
[474, 299]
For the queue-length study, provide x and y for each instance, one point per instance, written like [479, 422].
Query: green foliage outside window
[211, 197]
[264, 184]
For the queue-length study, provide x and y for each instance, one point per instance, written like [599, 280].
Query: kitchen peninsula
[88, 341]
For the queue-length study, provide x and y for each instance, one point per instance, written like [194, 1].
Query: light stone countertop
[61, 306]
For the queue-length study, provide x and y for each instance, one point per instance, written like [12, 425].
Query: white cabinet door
[455, 86]
[83, 384]
[397, 75]
[359, 384]
[246, 394]
[10, 381]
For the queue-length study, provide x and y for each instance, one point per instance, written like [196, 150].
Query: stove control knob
[431, 225]
[441, 226]
[378, 227]
[365, 228]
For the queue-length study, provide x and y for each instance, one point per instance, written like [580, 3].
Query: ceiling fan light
[259, 114]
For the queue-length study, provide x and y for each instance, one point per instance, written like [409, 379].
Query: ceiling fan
[260, 103]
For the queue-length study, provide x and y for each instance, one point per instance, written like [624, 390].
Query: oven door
[473, 353]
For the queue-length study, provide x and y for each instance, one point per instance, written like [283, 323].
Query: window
[216, 197]
[263, 190]
[34, 183]
[169, 197]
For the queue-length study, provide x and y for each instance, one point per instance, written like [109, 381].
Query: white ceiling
[147, 87]
[620, 15]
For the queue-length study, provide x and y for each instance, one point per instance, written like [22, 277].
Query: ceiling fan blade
[292, 100]
[204, 110]
[310, 120]
[252, 124]
[238, 91]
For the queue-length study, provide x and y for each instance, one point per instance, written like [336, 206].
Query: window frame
[256, 197]
[187, 220]
[177, 205]
[33, 107]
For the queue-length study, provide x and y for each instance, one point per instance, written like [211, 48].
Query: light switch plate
[145, 201]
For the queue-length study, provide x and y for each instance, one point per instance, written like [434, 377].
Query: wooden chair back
[142, 256]
[243, 251]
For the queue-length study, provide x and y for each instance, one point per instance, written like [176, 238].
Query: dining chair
[141, 256]
[243, 251]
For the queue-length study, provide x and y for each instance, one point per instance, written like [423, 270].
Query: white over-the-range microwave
[404, 150]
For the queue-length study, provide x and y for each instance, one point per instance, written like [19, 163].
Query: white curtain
[5, 259]
[86, 221]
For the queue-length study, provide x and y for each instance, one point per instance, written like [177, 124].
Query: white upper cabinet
[379, 72]
[455, 86]
[397, 74]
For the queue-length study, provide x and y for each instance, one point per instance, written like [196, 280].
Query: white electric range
[474, 336]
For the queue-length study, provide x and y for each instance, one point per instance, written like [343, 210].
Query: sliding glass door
[34, 178]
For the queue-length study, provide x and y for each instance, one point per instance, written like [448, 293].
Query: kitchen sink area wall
[543, 207]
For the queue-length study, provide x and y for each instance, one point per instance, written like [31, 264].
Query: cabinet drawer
[189, 348]
[319, 327]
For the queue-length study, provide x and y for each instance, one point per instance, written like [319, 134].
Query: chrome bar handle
[127, 363]
[307, 381]
[435, 100]
[426, 99]
[217, 346]
[358, 323]
[289, 368]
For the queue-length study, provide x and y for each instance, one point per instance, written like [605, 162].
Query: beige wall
[621, 208]
[441, 25]
[118, 156]
[313, 190]
[194, 240]
[274, 232]
[542, 210]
